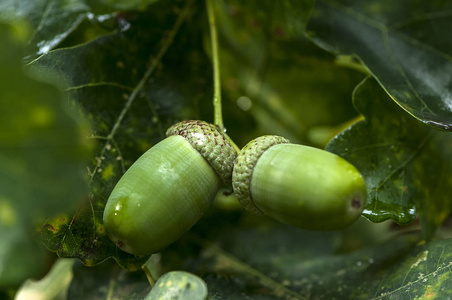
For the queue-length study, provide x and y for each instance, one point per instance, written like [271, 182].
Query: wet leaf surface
[394, 152]
[401, 44]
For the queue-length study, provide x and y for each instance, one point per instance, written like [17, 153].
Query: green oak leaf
[402, 268]
[256, 257]
[406, 164]
[59, 23]
[43, 153]
[70, 236]
[404, 45]
[51, 21]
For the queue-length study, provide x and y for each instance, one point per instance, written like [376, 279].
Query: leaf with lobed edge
[394, 153]
[403, 44]
[52, 21]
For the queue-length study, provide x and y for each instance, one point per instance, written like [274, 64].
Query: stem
[218, 115]
[148, 275]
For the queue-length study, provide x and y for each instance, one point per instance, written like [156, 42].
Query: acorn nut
[178, 285]
[298, 185]
[167, 190]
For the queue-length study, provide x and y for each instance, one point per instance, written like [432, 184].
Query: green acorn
[167, 190]
[299, 185]
[178, 285]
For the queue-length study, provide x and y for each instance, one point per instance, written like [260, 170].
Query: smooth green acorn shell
[164, 193]
[299, 185]
[178, 285]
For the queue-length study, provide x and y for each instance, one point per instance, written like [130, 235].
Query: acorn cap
[244, 166]
[210, 142]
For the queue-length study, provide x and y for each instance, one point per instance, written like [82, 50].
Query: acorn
[178, 285]
[298, 185]
[167, 190]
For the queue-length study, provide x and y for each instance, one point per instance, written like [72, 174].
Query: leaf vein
[168, 39]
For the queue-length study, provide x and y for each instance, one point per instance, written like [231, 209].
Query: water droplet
[123, 24]
[439, 124]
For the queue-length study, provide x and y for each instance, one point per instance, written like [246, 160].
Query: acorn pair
[167, 190]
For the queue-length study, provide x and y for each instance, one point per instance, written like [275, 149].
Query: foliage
[88, 86]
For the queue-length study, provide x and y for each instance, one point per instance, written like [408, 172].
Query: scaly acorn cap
[244, 166]
[210, 142]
